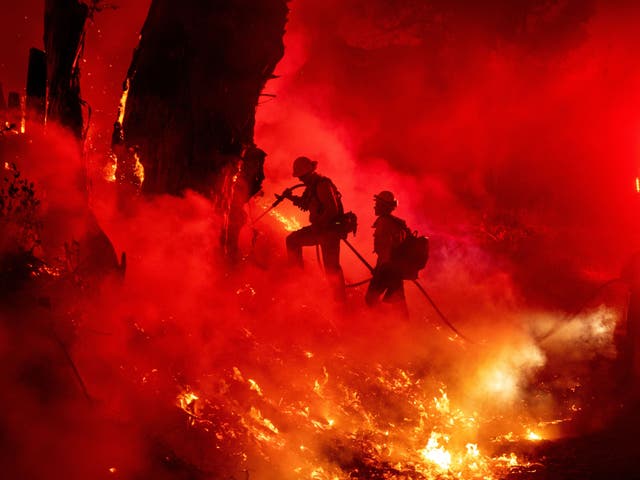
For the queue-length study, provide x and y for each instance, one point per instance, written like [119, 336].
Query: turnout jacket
[321, 199]
[389, 232]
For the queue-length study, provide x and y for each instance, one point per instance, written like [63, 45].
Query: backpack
[412, 254]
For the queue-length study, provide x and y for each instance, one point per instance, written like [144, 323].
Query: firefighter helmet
[303, 166]
[387, 198]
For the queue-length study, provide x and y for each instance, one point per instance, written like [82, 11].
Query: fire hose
[279, 199]
[282, 197]
[444, 319]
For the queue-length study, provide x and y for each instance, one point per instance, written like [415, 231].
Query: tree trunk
[93, 255]
[36, 86]
[193, 87]
[64, 24]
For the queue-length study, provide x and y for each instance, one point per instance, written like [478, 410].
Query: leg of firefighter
[389, 285]
[394, 296]
[330, 247]
[375, 289]
[295, 241]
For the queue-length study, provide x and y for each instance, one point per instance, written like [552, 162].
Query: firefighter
[323, 201]
[389, 232]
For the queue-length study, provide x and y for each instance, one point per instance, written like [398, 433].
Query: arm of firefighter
[329, 201]
[288, 193]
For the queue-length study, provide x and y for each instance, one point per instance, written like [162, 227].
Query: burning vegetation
[151, 326]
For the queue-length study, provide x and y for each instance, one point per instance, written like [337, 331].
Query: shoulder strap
[402, 224]
[335, 189]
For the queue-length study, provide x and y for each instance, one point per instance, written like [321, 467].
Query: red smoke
[508, 133]
[501, 116]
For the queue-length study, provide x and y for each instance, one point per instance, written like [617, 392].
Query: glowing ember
[109, 171]
[254, 386]
[638, 184]
[186, 401]
[23, 118]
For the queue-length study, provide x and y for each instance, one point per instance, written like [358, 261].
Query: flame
[186, 401]
[290, 224]
[254, 386]
[533, 436]
[138, 169]
[638, 184]
[123, 102]
[109, 171]
[23, 113]
[342, 409]
[436, 454]
[510, 460]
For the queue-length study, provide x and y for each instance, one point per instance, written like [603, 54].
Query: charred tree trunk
[92, 255]
[64, 25]
[36, 86]
[193, 87]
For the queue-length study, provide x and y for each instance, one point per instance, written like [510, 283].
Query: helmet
[303, 165]
[387, 198]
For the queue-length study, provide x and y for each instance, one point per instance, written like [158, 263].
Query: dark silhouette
[323, 201]
[390, 231]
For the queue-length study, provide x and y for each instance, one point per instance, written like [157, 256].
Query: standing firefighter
[390, 231]
[323, 202]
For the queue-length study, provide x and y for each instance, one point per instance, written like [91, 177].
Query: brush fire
[417, 259]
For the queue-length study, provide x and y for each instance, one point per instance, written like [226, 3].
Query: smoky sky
[508, 126]
[511, 124]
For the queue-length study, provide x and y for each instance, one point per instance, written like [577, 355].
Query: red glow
[510, 137]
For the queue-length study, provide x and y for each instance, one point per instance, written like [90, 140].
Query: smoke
[507, 132]
[496, 125]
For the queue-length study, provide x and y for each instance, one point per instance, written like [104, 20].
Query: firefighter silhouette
[389, 232]
[323, 201]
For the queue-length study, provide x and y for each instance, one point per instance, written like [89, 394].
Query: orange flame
[123, 102]
[290, 224]
[109, 171]
[139, 169]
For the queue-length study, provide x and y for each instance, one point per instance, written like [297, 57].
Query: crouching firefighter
[323, 201]
[389, 233]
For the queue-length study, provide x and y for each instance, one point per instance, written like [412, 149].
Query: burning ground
[519, 163]
[188, 368]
